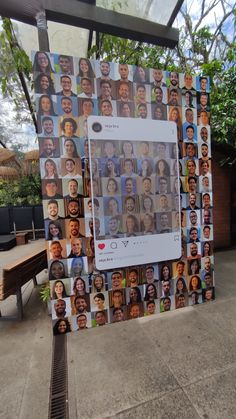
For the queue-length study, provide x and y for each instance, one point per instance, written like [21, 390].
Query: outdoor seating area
[18, 224]
[20, 265]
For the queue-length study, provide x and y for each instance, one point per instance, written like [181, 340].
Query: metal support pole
[42, 31]
[19, 304]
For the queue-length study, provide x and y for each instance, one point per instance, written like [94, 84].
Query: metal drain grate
[58, 404]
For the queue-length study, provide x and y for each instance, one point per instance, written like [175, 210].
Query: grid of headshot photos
[133, 192]
[134, 187]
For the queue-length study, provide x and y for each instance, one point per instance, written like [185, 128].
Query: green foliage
[45, 292]
[23, 191]
[14, 61]
[223, 100]
[202, 50]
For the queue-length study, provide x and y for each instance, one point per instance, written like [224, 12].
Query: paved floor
[178, 365]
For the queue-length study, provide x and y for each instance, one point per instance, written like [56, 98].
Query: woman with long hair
[150, 293]
[194, 267]
[61, 327]
[50, 169]
[158, 113]
[98, 284]
[148, 224]
[135, 295]
[127, 150]
[58, 290]
[79, 286]
[44, 84]
[112, 207]
[162, 168]
[131, 225]
[110, 169]
[45, 106]
[85, 68]
[42, 63]
[146, 168]
[206, 249]
[180, 286]
[70, 150]
[77, 267]
[165, 273]
[175, 116]
[141, 75]
[112, 187]
[57, 270]
[195, 283]
[54, 231]
[147, 205]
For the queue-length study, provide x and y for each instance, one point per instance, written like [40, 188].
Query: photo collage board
[67, 91]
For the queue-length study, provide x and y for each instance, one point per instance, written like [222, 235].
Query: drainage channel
[58, 400]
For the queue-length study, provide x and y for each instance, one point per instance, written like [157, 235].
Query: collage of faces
[134, 186]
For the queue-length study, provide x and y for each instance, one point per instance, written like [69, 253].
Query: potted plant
[45, 295]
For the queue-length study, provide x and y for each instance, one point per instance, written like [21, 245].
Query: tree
[15, 83]
[206, 46]
[23, 191]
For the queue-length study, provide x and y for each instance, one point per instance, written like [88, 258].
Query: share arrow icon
[125, 242]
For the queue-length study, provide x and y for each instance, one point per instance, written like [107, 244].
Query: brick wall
[222, 204]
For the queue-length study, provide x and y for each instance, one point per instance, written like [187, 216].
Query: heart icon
[101, 246]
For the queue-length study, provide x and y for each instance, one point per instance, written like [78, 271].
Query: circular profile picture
[97, 127]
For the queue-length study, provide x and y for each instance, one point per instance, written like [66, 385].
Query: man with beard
[60, 308]
[123, 91]
[173, 98]
[165, 304]
[204, 152]
[47, 127]
[48, 148]
[81, 305]
[73, 209]
[193, 249]
[66, 106]
[204, 134]
[192, 202]
[56, 250]
[192, 184]
[129, 205]
[74, 228]
[180, 301]
[53, 209]
[105, 69]
[157, 78]
[193, 219]
[174, 79]
[142, 111]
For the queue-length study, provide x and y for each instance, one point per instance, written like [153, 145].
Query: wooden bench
[14, 275]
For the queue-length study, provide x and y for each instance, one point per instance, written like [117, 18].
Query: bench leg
[35, 281]
[19, 304]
